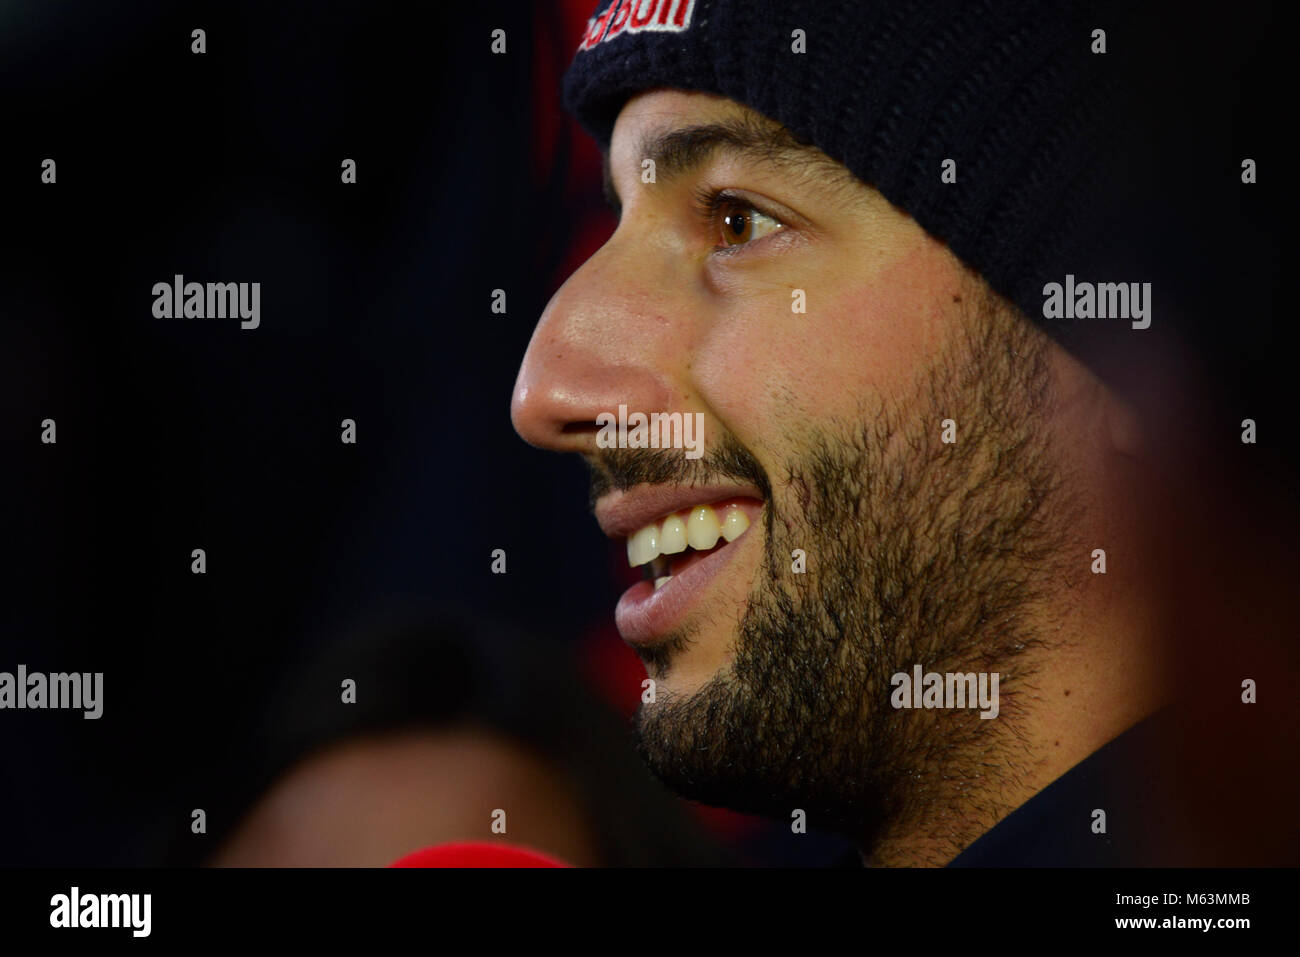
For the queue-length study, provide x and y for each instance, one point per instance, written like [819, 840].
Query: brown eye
[736, 226]
[743, 224]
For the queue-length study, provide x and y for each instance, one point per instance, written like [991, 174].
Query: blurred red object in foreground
[476, 854]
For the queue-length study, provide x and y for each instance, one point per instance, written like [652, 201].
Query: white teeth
[672, 538]
[643, 546]
[702, 529]
[699, 530]
[661, 582]
[734, 524]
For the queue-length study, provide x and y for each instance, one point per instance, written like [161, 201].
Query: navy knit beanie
[1014, 91]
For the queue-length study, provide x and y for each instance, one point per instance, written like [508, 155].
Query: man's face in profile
[862, 542]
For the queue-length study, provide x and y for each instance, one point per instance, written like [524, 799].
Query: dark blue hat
[1016, 92]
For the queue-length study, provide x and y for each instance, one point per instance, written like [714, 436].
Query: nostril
[577, 428]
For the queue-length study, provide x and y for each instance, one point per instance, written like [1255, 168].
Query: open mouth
[686, 541]
[677, 541]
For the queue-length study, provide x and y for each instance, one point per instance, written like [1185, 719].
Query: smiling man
[836, 221]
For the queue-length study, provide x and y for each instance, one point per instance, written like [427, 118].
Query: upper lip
[620, 514]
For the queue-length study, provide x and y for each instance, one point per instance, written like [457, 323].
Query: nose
[606, 338]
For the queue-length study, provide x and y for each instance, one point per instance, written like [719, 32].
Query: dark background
[183, 434]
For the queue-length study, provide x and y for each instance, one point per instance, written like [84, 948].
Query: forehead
[683, 132]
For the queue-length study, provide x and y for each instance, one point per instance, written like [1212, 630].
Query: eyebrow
[683, 150]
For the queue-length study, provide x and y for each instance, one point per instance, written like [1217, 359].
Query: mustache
[621, 469]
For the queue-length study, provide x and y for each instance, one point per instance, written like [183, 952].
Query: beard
[917, 552]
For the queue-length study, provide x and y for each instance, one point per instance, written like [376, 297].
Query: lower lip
[645, 615]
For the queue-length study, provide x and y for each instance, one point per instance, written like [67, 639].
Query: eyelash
[709, 201]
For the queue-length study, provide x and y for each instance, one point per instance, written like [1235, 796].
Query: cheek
[870, 338]
[883, 333]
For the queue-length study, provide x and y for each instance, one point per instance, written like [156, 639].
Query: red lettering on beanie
[644, 12]
[595, 27]
[619, 21]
